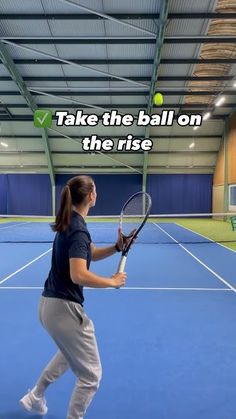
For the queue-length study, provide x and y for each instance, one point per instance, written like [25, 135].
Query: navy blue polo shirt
[72, 243]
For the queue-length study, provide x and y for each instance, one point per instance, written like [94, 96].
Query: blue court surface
[167, 340]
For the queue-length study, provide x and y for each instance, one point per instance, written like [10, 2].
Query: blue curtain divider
[181, 193]
[30, 194]
[112, 191]
[25, 194]
[3, 194]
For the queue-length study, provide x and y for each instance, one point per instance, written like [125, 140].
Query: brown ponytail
[73, 193]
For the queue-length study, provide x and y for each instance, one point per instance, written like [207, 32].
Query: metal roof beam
[79, 102]
[29, 118]
[107, 17]
[73, 63]
[82, 62]
[60, 152]
[162, 22]
[136, 78]
[125, 16]
[117, 40]
[230, 92]
[27, 136]
[100, 168]
[123, 91]
[189, 106]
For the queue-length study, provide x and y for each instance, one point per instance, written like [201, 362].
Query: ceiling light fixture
[192, 145]
[4, 144]
[206, 116]
[220, 101]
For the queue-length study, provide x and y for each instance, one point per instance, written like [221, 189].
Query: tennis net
[160, 229]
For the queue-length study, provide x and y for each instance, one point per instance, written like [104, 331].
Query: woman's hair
[73, 193]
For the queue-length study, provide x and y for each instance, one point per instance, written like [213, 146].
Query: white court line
[23, 267]
[165, 289]
[205, 237]
[16, 225]
[21, 288]
[130, 289]
[197, 259]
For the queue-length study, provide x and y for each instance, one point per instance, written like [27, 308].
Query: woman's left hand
[122, 241]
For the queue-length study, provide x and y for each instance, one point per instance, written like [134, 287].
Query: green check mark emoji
[42, 118]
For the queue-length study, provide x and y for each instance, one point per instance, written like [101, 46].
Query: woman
[61, 306]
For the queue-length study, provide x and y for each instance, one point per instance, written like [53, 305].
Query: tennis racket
[133, 217]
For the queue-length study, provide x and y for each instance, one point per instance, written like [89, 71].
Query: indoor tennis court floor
[167, 340]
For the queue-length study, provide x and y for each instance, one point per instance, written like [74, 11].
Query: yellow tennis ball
[158, 99]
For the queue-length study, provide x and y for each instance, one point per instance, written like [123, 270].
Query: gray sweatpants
[73, 333]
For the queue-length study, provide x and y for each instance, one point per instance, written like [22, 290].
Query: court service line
[167, 289]
[130, 289]
[15, 225]
[205, 237]
[21, 288]
[197, 259]
[25, 266]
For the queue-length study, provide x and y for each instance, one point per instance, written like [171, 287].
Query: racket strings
[134, 213]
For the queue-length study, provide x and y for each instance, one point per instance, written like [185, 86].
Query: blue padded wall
[180, 193]
[29, 194]
[3, 194]
[112, 190]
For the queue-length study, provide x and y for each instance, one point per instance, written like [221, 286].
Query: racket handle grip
[122, 263]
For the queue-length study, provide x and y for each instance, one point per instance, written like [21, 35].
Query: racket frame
[133, 236]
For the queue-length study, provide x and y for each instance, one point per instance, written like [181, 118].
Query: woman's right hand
[118, 279]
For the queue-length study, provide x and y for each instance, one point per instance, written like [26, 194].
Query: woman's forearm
[99, 253]
[90, 279]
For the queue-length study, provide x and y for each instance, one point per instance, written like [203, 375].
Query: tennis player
[61, 307]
